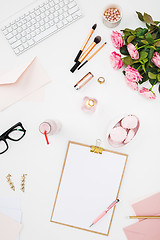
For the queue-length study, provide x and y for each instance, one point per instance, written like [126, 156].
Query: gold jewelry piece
[91, 102]
[101, 80]
[10, 182]
[23, 179]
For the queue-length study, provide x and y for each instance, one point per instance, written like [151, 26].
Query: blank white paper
[89, 184]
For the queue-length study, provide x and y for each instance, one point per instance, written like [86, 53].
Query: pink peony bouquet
[141, 50]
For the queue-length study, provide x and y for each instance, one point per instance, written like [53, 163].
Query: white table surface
[43, 163]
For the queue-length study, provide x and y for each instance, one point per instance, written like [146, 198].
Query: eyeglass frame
[5, 136]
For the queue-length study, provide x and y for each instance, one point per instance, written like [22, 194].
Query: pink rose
[133, 51]
[133, 85]
[116, 61]
[132, 74]
[147, 93]
[156, 59]
[117, 39]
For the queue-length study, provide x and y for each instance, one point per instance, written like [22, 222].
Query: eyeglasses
[15, 133]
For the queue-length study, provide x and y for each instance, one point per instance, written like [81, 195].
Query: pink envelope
[145, 229]
[20, 82]
[9, 228]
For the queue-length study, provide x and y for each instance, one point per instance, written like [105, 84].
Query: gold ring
[91, 102]
[101, 80]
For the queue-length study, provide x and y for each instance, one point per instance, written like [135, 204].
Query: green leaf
[150, 54]
[142, 32]
[158, 77]
[140, 16]
[149, 38]
[152, 75]
[156, 22]
[138, 29]
[130, 38]
[157, 44]
[144, 42]
[152, 81]
[123, 50]
[128, 60]
[147, 18]
[145, 60]
[144, 79]
[143, 68]
[143, 55]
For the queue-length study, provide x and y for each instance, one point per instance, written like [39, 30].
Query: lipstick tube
[83, 81]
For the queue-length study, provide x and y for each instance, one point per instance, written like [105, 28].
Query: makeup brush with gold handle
[92, 55]
[85, 43]
[84, 55]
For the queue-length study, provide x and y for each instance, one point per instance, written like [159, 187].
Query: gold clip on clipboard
[97, 148]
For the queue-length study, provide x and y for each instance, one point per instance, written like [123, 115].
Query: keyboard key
[69, 18]
[73, 10]
[72, 4]
[5, 32]
[65, 22]
[16, 50]
[57, 7]
[12, 40]
[21, 48]
[24, 39]
[52, 10]
[26, 45]
[44, 34]
[24, 33]
[61, 17]
[56, 1]
[60, 24]
[18, 36]
[56, 20]
[16, 44]
[9, 29]
[41, 22]
[46, 19]
[51, 22]
[33, 34]
[46, 25]
[8, 36]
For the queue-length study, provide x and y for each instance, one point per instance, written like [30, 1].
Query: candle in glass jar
[89, 104]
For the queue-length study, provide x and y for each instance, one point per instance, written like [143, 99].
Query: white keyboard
[39, 23]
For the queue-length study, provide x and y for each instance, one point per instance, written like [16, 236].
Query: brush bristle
[97, 39]
[94, 26]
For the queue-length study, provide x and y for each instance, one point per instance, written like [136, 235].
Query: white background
[43, 163]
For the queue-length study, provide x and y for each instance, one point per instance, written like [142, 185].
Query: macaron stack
[124, 131]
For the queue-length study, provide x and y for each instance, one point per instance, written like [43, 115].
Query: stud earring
[23, 179]
[10, 182]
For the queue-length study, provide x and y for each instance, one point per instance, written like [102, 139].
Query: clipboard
[90, 180]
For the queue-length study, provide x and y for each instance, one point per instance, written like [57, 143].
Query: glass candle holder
[89, 104]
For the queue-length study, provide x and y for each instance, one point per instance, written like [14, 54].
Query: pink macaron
[130, 136]
[118, 134]
[129, 122]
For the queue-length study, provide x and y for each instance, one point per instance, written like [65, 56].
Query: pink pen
[103, 213]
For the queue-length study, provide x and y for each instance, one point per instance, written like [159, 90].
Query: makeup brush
[84, 55]
[92, 55]
[85, 43]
